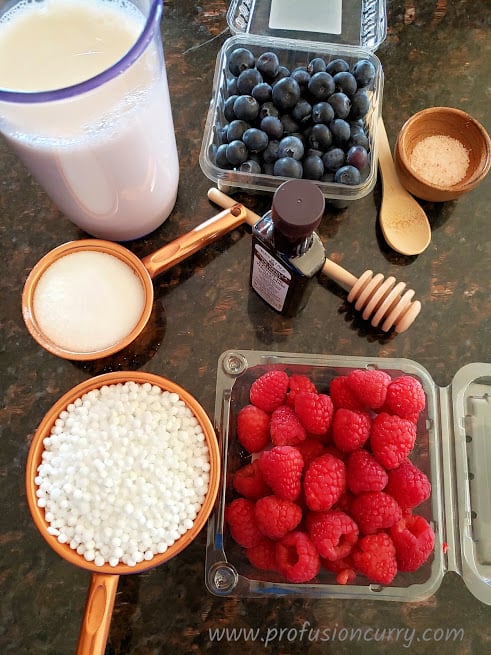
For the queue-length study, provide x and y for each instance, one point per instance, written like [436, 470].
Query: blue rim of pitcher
[151, 23]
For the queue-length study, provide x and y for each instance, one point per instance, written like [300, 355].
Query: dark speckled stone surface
[436, 52]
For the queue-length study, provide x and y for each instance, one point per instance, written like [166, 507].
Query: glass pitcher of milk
[84, 102]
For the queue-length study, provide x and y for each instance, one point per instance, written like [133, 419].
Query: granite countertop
[436, 53]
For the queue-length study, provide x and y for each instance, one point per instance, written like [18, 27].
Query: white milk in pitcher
[107, 156]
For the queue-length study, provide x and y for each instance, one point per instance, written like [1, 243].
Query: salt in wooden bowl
[442, 153]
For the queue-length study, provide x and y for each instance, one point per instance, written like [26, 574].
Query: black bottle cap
[297, 208]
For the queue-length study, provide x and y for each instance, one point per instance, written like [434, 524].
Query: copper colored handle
[197, 238]
[98, 611]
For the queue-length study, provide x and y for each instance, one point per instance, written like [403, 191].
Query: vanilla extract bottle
[287, 253]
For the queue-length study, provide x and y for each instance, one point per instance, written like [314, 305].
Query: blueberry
[340, 130]
[360, 104]
[237, 152]
[337, 66]
[221, 156]
[262, 92]
[322, 112]
[316, 65]
[347, 175]
[358, 136]
[321, 85]
[291, 146]
[283, 71]
[246, 108]
[250, 166]
[268, 168]
[268, 64]
[357, 156]
[364, 72]
[221, 133]
[333, 159]
[232, 86]
[290, 125]
[235, 130]
[288, 167]
[345, 82]
[302, 76]
[313, 151]
[302, 111]
[320, 137]
[272, 126]
[270, 155]
[228, 108]
[255, 140]
[240, 59]
[247, 80]
[340, 103]
[268, 109]
[286, 93]
[313, 168]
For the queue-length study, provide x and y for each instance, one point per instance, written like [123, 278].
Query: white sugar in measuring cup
[87, 309]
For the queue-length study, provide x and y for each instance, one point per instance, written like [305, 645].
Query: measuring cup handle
[98, 611]
[199, 237]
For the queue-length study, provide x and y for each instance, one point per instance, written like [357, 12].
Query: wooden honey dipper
[379, 298]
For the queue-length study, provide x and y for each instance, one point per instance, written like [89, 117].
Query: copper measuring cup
[145, 269]
[104, 581]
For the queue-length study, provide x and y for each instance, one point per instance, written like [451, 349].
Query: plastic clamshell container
[453, 448]
[361, 27]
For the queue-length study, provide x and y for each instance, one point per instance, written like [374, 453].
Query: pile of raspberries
[328, 481]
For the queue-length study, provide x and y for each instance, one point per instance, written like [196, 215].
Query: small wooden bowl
[449, 122]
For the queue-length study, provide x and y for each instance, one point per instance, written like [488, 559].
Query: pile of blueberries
[308, 122]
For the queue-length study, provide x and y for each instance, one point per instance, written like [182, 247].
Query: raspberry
[369, 386]
[285, 427]
[414, 541]
[391, 439]
[405, 397]
[253, 428]
[269, 390]
[263, 556]
[324, 482]
[364, 473]
[315, 411]
[248, 481]
[282, 468]
[242, 523]
[297, 557]
[350, 429]
[275, 517]
[375, 556]
[298, 383]
[375, 510]
[310, 449]
[408, 485]
[342, 396]
[333, 533]
[342, 567]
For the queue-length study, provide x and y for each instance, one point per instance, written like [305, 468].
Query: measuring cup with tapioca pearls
[104, 577]
[90, 298]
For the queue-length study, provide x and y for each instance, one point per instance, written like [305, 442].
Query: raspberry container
[452, 448]
[297, 32]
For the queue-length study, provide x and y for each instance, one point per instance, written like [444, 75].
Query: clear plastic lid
[347, 22]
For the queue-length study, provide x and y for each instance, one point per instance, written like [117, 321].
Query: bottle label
[270, 279]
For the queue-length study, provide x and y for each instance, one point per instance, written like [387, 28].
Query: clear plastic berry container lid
[297, 33]
[451, 448]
